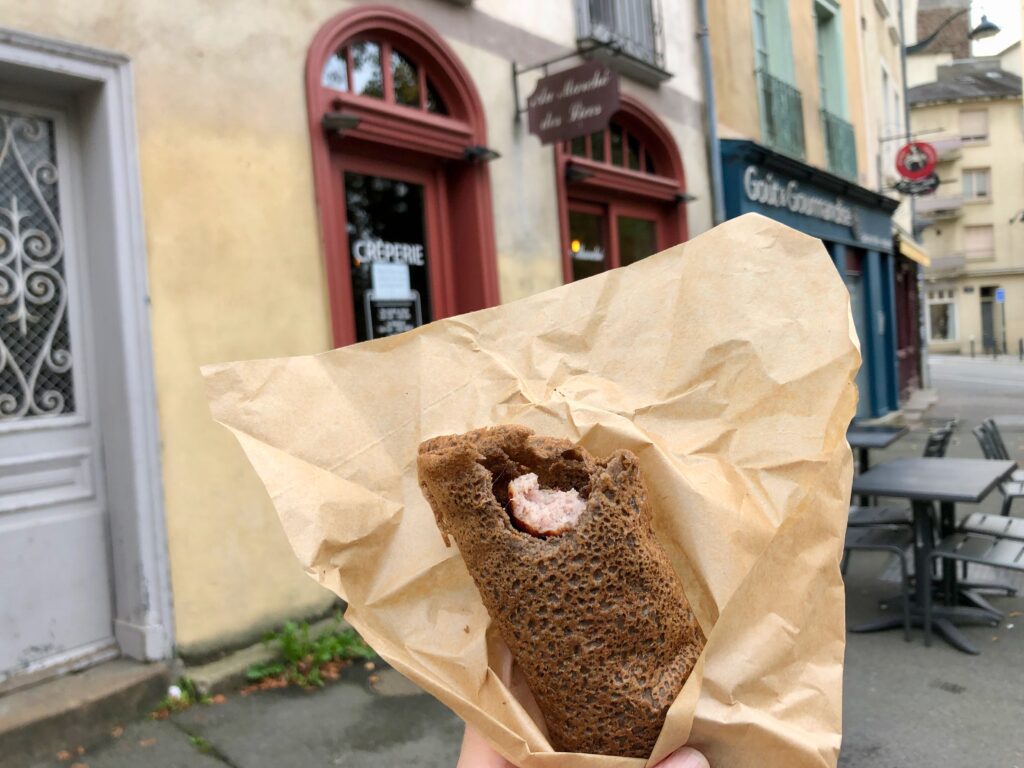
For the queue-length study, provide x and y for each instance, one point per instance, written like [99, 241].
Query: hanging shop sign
[574, 102]
[924, 186]
[916, 160]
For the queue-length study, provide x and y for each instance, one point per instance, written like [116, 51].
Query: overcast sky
[1005, 13]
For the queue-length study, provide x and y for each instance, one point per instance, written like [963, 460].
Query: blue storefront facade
[855, 225]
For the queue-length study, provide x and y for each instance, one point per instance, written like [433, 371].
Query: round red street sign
[916, 160]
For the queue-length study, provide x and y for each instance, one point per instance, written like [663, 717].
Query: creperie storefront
[403, 183]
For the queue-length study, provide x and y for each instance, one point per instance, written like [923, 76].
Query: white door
[55, 575]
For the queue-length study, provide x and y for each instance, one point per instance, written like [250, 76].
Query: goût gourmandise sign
[573, 103]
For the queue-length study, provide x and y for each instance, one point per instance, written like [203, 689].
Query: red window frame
[395, 138]
[582, 183]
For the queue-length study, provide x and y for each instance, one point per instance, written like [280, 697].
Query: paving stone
[345, 724]
[149, 743]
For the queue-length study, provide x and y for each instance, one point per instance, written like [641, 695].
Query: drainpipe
[922, 343]
[711, 114]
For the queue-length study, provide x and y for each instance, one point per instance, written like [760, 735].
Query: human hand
[477, 753]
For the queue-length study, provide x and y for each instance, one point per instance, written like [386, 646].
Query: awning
[914, 251]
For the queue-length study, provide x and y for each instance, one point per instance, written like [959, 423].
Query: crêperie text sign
[573, 102]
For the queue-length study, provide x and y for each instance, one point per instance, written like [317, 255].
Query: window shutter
[979, 241]
[974, 125]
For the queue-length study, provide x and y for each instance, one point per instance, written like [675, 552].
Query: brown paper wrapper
[726, 364]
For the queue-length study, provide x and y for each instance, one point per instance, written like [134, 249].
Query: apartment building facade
[970, 111]
[198, 182]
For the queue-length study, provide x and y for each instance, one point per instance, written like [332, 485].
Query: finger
[477, 753]
[687, 757]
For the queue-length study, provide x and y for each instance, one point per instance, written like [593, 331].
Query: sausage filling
[543, 511]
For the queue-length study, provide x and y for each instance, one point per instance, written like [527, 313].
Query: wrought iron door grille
[35, 354]
[840, 144]
[782, 115]
[633, 26]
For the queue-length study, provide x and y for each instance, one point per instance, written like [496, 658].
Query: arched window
[379, 70]
[621, 193]
[397, 133]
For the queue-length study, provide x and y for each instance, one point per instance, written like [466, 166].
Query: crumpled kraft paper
[726, 364]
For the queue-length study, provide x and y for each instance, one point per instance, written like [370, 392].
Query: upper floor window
[979, 241]
[977, 184]
[378, 70]
[614, 146]
[773, 48]
[830, 57]
[974, 126]
[781, 104]
[629, 33]
[840, 141]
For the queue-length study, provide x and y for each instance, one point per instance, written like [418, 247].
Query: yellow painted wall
[232, 236]
[732, 56]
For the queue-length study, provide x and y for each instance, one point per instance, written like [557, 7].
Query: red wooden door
[908, 351]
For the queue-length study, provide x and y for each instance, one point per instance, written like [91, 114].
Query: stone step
[76, 709]
[229, 672]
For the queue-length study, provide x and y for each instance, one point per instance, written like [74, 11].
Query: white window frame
[973, 197]
[955, 316]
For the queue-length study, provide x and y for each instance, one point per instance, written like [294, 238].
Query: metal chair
[868, 516]
[890, 529]
[977, 548]
[999, 446]
[999, 526]
[939, 439]
[1010, 489]
[896, 540]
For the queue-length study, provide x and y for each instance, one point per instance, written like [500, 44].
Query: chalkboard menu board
[386, 317]
[387, 255]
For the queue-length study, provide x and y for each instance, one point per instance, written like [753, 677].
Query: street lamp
[985, 29]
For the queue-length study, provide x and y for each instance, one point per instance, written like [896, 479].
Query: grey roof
[960, 83]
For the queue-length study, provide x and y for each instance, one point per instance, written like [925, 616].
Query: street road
[975, 388]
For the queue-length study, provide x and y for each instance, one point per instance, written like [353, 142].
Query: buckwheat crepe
[561, 548]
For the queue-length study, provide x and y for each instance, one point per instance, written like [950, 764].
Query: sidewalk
[366, 720]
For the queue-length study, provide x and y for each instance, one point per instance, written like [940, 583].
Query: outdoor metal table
[865, 438]
[925, 481]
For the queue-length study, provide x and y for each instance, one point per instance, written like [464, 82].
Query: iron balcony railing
[633, 26]
[782, 115]
[840, 144]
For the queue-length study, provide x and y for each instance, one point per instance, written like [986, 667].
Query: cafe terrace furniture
[872, 515]
[865, 438]
[1000, 526]
[993, 551]
[1011, 489]
[895, 540]
[926, 482]
[1001, 452]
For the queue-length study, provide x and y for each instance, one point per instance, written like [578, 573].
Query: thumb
[687, 757]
